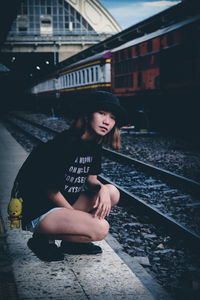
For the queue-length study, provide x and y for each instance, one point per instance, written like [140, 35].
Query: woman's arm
[102, 204]
[58, 198]
[94, 183]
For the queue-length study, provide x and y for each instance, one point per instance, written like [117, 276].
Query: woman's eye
[112, 117]
[101, 113]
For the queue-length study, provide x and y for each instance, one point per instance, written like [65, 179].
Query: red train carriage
[155, 72]
[135, 66]
[180, 59]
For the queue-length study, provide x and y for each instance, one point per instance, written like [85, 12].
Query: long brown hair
[112, 139]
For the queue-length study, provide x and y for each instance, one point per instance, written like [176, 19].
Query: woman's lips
[103, 128]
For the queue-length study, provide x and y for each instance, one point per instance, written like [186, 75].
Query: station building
[49, 31]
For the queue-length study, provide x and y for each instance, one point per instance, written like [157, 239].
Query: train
[63, 90]
[156, 76]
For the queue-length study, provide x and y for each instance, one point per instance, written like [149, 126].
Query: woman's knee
[114, 194]
[100, 230]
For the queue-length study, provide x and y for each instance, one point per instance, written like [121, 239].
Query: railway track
[168, 198]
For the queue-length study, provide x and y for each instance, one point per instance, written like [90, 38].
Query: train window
[128, 66]
[130, 80]
[70, 82]
[121, 67]
[79, 76]
[122, 54]
[92, 74]
[66, 83]
[83, 76]
[61, 82]
[72, 78]
[137, 50]
[139, 79]
[115, 69]
[149, 46]
[124, 81]
[129, 52]
[133, 65]
[116, 57]
[88, 76]
[125, 67]
[75, 78]
[116, 82]
[170, 39]
[97, 73]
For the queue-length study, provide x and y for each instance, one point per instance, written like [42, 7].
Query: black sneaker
[44, 250]
[79, 248]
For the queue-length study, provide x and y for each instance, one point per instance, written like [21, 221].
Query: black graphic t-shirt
[62, 164]
[76, 175]
[87, 161]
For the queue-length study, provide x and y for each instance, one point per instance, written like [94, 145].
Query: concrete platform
[110, 275]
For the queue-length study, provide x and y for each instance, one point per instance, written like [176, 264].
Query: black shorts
[72, 198]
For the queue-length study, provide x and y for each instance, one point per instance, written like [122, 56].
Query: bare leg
[78, 225]
[85, 203]
[73, 225]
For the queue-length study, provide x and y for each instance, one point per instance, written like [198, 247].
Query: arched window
[57, 16]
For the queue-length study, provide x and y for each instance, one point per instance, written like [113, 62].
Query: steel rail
[32, 122]
[182, 182]
[28, 133]
[176, 229]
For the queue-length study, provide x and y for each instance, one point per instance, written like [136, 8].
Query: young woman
[62, 197]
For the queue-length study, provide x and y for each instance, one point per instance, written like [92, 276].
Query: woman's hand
[58, 199]
[102, 204]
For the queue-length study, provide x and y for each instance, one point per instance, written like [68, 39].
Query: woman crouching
[62, 196]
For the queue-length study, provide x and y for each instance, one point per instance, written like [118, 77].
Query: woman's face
[102, 122]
